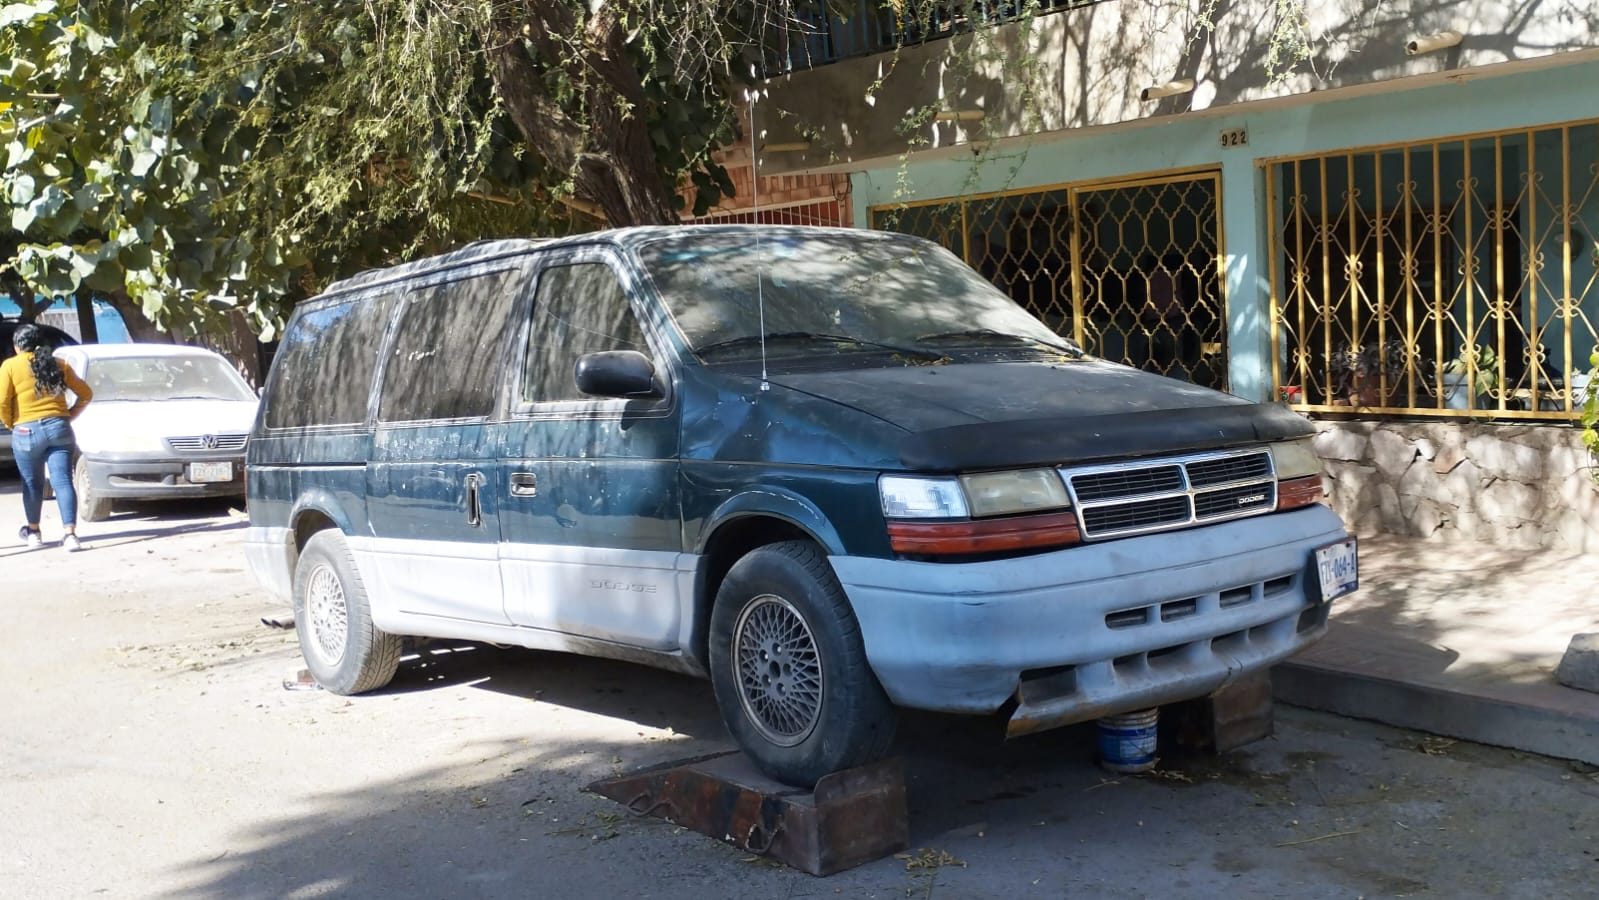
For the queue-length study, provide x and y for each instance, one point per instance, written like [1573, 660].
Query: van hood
[993, 415]
[142, 426]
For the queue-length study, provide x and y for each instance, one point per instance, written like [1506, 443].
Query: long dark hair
[47, 376]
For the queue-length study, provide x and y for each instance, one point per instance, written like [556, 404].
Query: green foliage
[1480, 362]
[107, 188]
[206, 156]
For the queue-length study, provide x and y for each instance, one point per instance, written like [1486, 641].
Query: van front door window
[578, 309]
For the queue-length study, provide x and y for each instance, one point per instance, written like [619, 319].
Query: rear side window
[578, 309]
[322, 373]
[445, 363]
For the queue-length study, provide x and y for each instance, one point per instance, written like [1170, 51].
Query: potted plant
[1479, 365]
[1368, 375]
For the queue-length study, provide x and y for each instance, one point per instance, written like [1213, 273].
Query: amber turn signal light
[1296, 492]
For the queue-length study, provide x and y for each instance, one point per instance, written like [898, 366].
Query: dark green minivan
[834, 471]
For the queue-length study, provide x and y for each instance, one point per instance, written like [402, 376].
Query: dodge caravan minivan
[834, 471]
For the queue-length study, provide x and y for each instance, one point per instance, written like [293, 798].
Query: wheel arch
[744, 523]
[315, 511]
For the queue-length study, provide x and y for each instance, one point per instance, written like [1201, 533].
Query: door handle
[524, 484]
[474, 502]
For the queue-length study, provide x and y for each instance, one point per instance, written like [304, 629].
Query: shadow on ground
[1335, 815]
[1439, 599]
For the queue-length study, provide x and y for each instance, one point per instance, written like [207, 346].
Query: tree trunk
[87, 326]
[609, 156]
[240, 345]
[140, 329]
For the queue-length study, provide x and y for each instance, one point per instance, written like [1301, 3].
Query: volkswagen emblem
[209, 442]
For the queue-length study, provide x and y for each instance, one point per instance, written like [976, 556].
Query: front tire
[344, 651]
[789, 667]
[91, 506]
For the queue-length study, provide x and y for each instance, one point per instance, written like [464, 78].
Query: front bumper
[155, 478]
[1097, 629]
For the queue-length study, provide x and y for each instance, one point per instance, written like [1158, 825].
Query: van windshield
[818, 291]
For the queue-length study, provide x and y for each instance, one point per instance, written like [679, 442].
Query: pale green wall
[1480, 103]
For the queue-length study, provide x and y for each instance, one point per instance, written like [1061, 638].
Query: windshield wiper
[754, 340]
[991, 334]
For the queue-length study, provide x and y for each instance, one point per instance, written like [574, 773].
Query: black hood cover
[971, 416]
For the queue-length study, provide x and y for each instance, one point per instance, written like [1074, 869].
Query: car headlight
[984, 508]
[99, 440]
[1295, 459]
[979, 495]
[1004, 493]
[911, 497]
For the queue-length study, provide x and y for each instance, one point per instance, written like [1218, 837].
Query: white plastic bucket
[1127, 741]
[1457, 392]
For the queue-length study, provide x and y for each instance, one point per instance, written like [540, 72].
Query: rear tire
[91, 506]
[789, 667]
[344, 651]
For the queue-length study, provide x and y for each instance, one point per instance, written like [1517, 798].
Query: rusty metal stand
[1238, 714]
[852, 817]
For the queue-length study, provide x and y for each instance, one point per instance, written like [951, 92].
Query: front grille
[1222, 501]
[1205, 473]
[1138, 514]
[208, 443]
[1129, 483]
[1165, 494]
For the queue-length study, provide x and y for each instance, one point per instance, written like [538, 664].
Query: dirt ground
[149, 748]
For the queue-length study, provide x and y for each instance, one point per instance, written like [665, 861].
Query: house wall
[1084, 68]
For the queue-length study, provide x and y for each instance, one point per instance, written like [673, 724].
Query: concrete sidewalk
[1459, 639]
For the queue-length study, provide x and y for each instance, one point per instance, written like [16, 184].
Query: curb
[1526, 726]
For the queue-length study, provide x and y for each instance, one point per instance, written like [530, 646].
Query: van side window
[446, 356]
[578, 309]
[331, 353]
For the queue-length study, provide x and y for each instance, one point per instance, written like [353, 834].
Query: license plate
[1339, 567]
[209, 472]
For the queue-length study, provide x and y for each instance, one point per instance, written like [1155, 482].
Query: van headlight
[1295, 459]
[1021, 511]
[979, 495]
[1005, 493]
[910, 497]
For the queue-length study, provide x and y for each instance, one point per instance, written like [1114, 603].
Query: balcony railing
[816, 37]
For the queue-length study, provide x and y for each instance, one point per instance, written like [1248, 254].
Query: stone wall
[1525, 486]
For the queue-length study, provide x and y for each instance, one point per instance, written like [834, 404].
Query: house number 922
[1234, 137]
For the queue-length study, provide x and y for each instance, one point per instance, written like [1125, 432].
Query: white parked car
[167, 421]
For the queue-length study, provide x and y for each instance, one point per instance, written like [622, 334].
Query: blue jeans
[43, 445]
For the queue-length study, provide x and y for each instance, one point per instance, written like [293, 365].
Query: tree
[204, 163]
[198, 159]
[109, 189]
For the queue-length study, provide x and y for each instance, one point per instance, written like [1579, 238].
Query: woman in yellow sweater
[33, 404]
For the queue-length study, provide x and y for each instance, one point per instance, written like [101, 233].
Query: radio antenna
[755, 218]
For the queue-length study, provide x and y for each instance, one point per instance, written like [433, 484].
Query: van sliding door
[432, 499]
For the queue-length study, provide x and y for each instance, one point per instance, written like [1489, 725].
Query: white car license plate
[210, 472]
[1339, 567]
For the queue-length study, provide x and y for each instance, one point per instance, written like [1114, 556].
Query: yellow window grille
[1454, 277]
[1128, 269]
